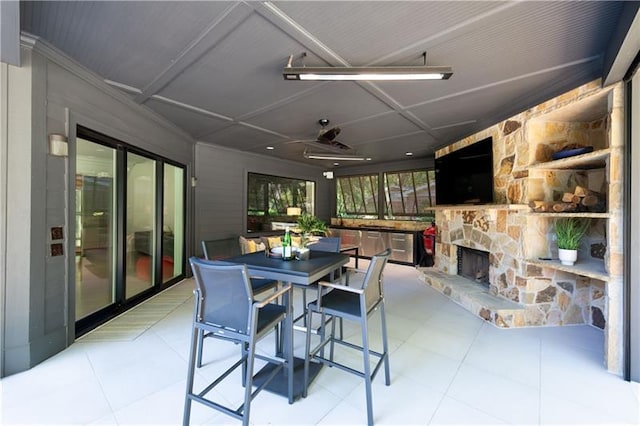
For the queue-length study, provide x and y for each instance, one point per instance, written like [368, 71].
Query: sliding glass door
[172, 220]
[95, 235]
[130, 223]
[140, 223]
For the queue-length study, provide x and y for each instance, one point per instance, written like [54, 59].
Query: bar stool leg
[367, 370]
[200, 345]
[307, 348]
[191, 372]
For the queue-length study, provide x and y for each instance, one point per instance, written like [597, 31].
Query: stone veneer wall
[513, 150]
[550, 296]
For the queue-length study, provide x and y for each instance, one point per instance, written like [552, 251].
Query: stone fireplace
[490, 242]
[526, 289]
[474, 265]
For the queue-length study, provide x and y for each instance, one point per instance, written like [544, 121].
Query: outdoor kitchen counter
[372, 239]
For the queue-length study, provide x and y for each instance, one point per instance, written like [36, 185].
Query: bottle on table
[287, 252]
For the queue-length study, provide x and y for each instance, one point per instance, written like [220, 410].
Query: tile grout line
[446, 391]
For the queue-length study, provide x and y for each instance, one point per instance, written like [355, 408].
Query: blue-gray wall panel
[220, 210]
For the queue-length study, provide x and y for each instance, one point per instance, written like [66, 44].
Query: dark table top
[302, 272]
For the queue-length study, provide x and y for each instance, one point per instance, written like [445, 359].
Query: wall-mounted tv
[465, 176]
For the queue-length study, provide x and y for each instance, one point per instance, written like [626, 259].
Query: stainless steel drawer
[373, 242]
[401, 247]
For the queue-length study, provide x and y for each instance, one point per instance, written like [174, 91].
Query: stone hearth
[474, 298]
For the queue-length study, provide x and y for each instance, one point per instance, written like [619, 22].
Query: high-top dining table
[299, 273]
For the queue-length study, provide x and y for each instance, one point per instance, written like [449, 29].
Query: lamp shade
[294, 211]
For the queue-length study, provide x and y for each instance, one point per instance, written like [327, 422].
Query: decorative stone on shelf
[570, 151]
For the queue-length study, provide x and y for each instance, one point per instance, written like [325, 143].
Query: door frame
[78, 129]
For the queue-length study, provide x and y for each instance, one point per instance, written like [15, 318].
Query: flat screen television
[465, 176]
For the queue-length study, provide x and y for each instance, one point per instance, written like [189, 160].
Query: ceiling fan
[326, 138]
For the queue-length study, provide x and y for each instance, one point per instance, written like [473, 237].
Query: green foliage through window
[357, 196]
[268, 198]
[407, 195]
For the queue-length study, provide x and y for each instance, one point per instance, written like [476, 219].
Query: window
[269, 197]
[357, 196]
[409, 194]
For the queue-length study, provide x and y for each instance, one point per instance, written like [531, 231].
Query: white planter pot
[567, 257]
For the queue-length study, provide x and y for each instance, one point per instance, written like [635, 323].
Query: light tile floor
[447, 367]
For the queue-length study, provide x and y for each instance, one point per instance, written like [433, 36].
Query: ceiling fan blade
[299, 141]
[333, 143]
[327, 146]
[329, 134]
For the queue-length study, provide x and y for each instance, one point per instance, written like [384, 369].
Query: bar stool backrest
[225, 295]
[372, 283]
[329, 244]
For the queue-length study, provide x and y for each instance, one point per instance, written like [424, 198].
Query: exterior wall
[17, 217]
[220, 210]
[51, 94]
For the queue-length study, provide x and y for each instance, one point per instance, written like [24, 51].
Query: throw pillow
[274, 242]
[244, 245]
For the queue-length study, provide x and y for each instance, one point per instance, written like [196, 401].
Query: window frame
[363, 212]
[275, 210]
[389, 213]
[382, 196]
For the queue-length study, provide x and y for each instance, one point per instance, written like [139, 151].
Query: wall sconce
[58, 145]
[294, 211]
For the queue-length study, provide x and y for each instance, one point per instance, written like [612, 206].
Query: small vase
[567, 257]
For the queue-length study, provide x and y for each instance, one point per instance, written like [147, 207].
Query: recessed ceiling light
[368, 158]
[408, 154]
[336, 164]
[270, 148]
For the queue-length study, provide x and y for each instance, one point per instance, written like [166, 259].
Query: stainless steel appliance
[373, 241]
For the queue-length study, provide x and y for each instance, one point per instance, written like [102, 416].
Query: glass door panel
[140, 224]
[95, 227]
[173, 222]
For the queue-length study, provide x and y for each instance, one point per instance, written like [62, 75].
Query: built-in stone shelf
[592, 268]
[590, 160]
[587, 215]
[470, 207]
[475, 298]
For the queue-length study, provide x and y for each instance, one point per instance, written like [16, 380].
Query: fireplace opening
[474, 265]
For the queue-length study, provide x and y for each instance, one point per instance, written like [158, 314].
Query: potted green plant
[309, 225]
[569, 232]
